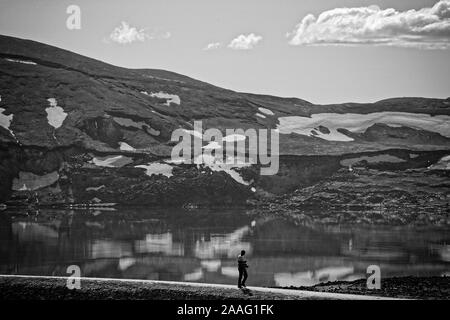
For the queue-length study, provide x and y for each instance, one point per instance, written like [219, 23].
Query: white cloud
[212, 46]
[125, 33]
[427, 28]
[245, 42]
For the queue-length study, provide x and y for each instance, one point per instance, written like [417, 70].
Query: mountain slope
[74, 129]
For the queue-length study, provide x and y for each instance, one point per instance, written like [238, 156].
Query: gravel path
[36, 287]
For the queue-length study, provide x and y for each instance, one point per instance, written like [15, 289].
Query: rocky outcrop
[370, 196]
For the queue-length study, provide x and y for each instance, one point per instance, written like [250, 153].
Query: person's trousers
[242, 276]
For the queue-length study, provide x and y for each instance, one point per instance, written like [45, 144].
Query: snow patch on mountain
[227, 166]
[126, 122]
[359, 123]
[5, 120]
[442, 164]
[111, 161]
[55, 114]
[266, 111]
[156, 168]
[195, 133]
[234, 137]
[95, 188]
[215, 164]
[170, 98]
[125, 147]
[21, 61]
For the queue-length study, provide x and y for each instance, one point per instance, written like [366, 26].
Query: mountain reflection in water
[202, 246]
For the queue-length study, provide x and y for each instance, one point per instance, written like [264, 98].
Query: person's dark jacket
[242, 263]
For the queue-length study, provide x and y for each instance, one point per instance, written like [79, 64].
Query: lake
[202, 246]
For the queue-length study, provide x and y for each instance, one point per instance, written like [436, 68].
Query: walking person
[242, 268]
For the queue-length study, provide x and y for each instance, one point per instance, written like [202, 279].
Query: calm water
[202, 246]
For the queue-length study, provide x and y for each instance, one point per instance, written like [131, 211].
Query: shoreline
[407, 287]
[27, 287]
[23, 287]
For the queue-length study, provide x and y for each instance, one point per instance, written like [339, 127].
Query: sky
[323, 51]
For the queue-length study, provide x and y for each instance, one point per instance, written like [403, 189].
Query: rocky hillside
[77, 130]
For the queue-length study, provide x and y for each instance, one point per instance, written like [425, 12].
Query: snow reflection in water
[202, 246]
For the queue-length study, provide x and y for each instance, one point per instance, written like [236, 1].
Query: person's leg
[240, 277]
[245, 277]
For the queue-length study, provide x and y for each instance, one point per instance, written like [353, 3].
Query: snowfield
[55, 114]
[218, 165]
[125, 147]
[194, 133]
[442, 164]
[156, 168]
[215, 165]
[126, 122]
[170, 98]
[21, 61]
[5, 121]
[234, 137]
[266, 111]
[111, 161]
[309, 126]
